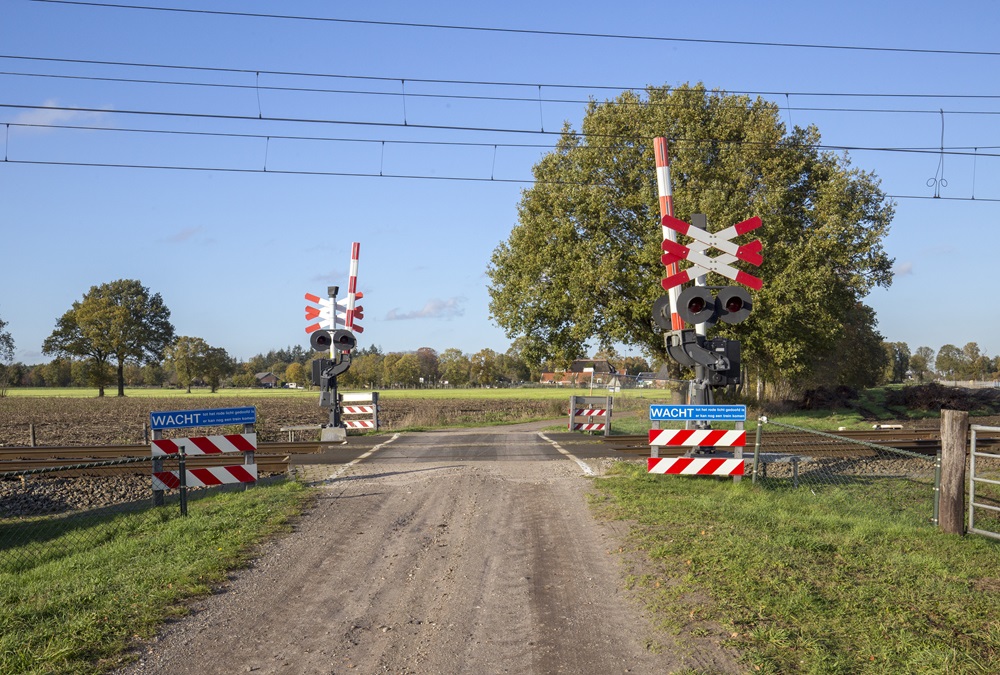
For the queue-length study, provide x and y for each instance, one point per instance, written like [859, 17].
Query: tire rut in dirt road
[484, 567]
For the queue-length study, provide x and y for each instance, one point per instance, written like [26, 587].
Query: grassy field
[77, 602]
[840, 580]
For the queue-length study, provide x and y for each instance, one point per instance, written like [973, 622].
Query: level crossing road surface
[463, 551]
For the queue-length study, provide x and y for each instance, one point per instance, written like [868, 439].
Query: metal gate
[984, 487]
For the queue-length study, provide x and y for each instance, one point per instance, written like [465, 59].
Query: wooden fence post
[954, 439]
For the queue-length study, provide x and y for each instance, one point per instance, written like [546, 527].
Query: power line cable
[525, 31]
[954, 151]
[487, 83]
[355, 174]
[404, 94]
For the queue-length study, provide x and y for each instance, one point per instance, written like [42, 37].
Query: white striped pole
[352, 286]
[665, 190]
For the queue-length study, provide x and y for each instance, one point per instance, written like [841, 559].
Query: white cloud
[903, 269]
[434, 309]
[50, 114]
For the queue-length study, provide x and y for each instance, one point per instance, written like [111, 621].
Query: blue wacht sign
[681, 413]
[181, 419]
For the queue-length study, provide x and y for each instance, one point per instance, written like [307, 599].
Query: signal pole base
[333, 435]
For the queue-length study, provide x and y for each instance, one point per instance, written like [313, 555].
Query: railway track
[275, 457]
[795, 442]
[270, 457]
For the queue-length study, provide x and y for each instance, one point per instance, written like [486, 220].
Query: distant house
[267, 380]
[580, 372]
[597, 366]
[657, 380]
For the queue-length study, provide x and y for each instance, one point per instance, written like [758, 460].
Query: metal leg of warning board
[157, 467]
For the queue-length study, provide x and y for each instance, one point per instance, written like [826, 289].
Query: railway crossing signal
[717, 360]
[331, 331]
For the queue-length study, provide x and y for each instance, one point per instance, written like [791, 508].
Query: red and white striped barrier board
[216, 475]
[205, 445]
[595, 412]
[703, 437]
[590, 413]
[359, 403]
[695, 466]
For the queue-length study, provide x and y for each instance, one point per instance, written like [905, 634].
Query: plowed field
[112, 420]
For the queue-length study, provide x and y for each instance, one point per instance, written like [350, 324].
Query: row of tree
[191, 361]
[121, 332]
[950, 363]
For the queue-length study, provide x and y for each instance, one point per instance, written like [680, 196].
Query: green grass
[849, 579]
[73, 599]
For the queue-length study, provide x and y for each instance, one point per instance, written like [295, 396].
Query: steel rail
[112, 451]
[18, 467]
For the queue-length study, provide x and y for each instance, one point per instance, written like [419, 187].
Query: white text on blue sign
[722, 413]
[181, 419]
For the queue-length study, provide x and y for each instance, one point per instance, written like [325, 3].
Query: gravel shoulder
[434, 567]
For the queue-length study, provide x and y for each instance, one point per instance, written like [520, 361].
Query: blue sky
[233, 252]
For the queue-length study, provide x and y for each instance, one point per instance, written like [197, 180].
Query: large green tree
[951, 363]
[454, 367]
[186, 356]
[922, 364]
[583, 262]
[114, 323]
[218, 364]
[898, 357]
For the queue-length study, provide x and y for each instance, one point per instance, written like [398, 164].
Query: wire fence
[875, 478]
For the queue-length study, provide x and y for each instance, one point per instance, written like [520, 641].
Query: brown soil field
[122, 421]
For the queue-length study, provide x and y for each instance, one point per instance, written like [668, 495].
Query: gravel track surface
[408, 566]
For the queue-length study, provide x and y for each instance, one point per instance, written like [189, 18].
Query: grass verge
[76, 605]
[849, 579]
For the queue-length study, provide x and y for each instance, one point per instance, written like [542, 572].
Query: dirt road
[450, 552]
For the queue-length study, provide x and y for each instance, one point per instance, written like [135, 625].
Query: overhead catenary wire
[257, 87]
[523, 31]
[959, 151]
[418, 80]
[359, 174]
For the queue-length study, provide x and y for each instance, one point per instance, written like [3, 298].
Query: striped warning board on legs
[179, 448]
[359, 410]
[590, 413]
[697, 439]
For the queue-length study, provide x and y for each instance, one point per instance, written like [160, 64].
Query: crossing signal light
[696, 304]
[733, 304]
[340, 340]
[344, 340]
[320, 340]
